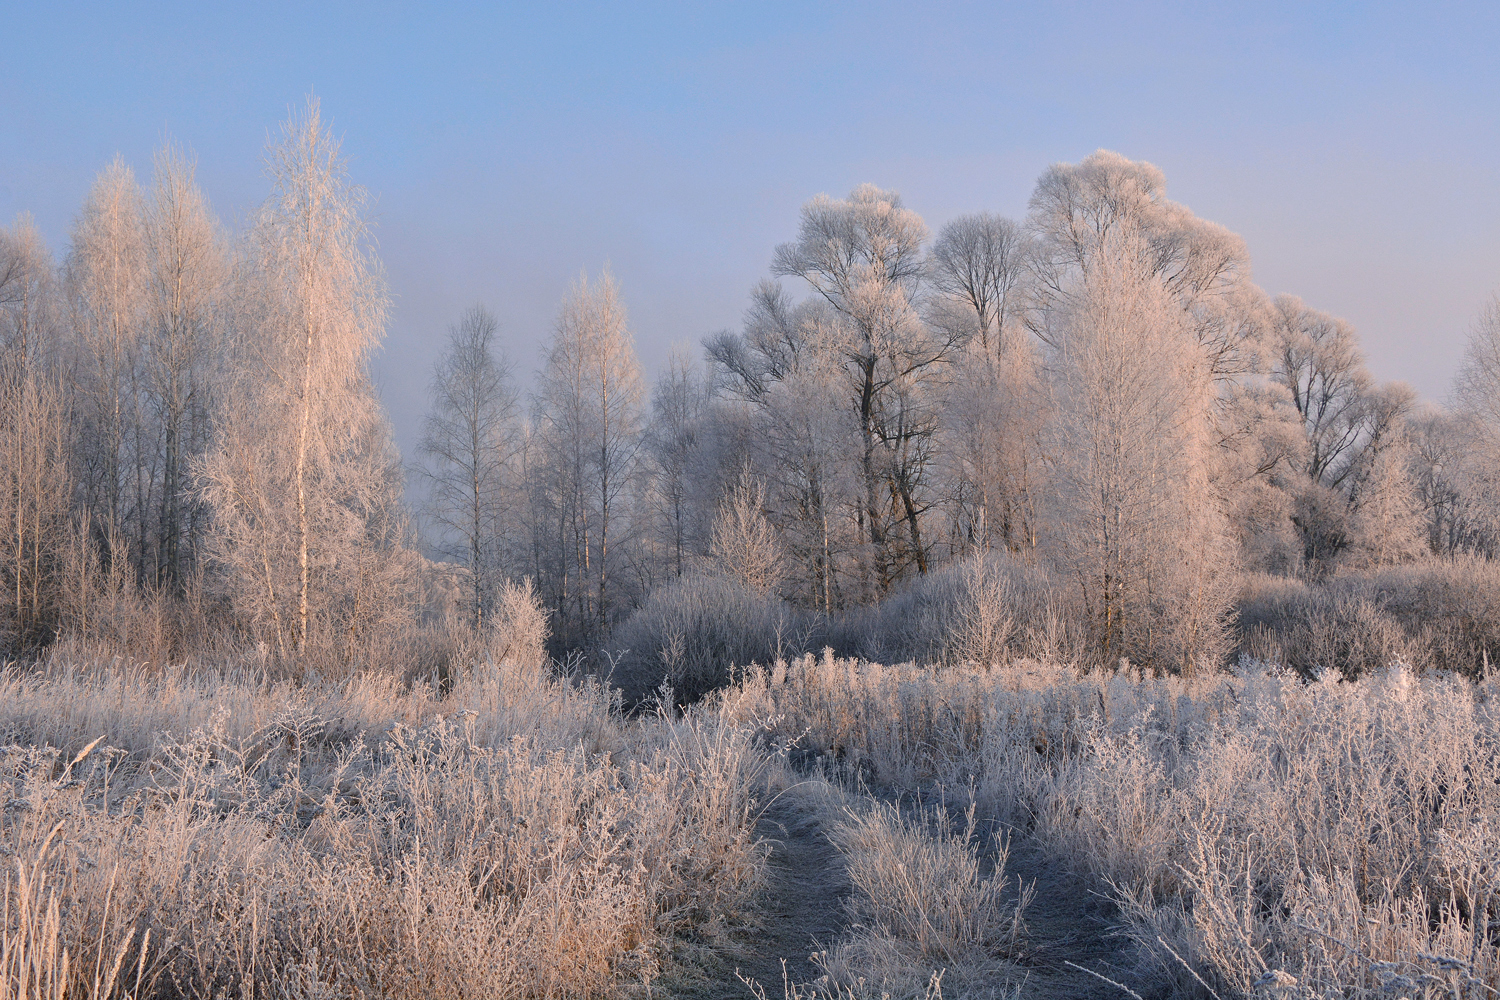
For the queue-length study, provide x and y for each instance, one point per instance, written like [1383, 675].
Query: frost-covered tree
[302, 474]
[1260, 460]
[588, 414]
[674, 443]
[981, 267]
[35, 444]
[1477, 383]
[863, 259]
[187, 269]
[470, 444]
[981, 264]
[990, 457]
[744, 544]
[1459, 453]
[1387, 520]
[1132, 517]
[35, 489]
[1318, 359]
[1438, 443]
[1078, 209]
[784, 377]
[106, 282]
[27, 290]
[1348, 422]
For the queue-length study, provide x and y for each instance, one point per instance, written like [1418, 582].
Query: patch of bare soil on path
[802, 911]
[1069, 922]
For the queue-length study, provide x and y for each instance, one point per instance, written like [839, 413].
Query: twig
[1108, 980]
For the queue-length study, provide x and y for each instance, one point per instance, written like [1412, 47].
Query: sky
[509, 148]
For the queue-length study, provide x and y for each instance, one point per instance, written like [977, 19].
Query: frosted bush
[691, 634]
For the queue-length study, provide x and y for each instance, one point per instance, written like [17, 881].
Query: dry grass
[510, 833]
[924, 904]
[928, 907]
[514, 837]
[901, 728]
[1333, 838]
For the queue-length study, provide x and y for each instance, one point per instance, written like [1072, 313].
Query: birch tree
[1438, 443]
[588, 411]
[106, 280]
[35, 444]
[1134, 520]
[470, 444]
[990, 459]
[1079, 210]
[35, 486]
[300, 473]
[1388, 523]
[744, 545]
[186, 274]
[679, 401]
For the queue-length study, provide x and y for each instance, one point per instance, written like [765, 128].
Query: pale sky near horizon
[1356, 147]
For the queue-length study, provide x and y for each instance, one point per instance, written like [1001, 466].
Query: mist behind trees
[1084, 434]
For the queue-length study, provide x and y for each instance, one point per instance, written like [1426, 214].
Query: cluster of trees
[189, 427]
[1097, 391]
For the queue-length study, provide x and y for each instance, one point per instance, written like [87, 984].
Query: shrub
[515, 634]
[1443, 614]
[984, 609]
[692, 633]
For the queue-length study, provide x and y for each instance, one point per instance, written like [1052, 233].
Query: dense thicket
[1085, 433]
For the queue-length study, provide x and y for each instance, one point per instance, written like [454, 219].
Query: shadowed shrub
[1443, 614]
[692, 633]
[985, 609]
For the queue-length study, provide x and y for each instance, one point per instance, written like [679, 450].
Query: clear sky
[509, 147]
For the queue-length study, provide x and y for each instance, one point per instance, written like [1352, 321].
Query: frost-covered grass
[923, 903]
[203, 834]
[1333, 838]
[182, 834]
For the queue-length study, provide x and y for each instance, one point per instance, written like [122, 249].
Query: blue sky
[1355, 147]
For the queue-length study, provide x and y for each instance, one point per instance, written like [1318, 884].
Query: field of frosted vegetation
[1033, 608]
[202, 832]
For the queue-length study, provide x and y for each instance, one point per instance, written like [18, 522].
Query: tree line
[193, 446]
[1098, 390]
